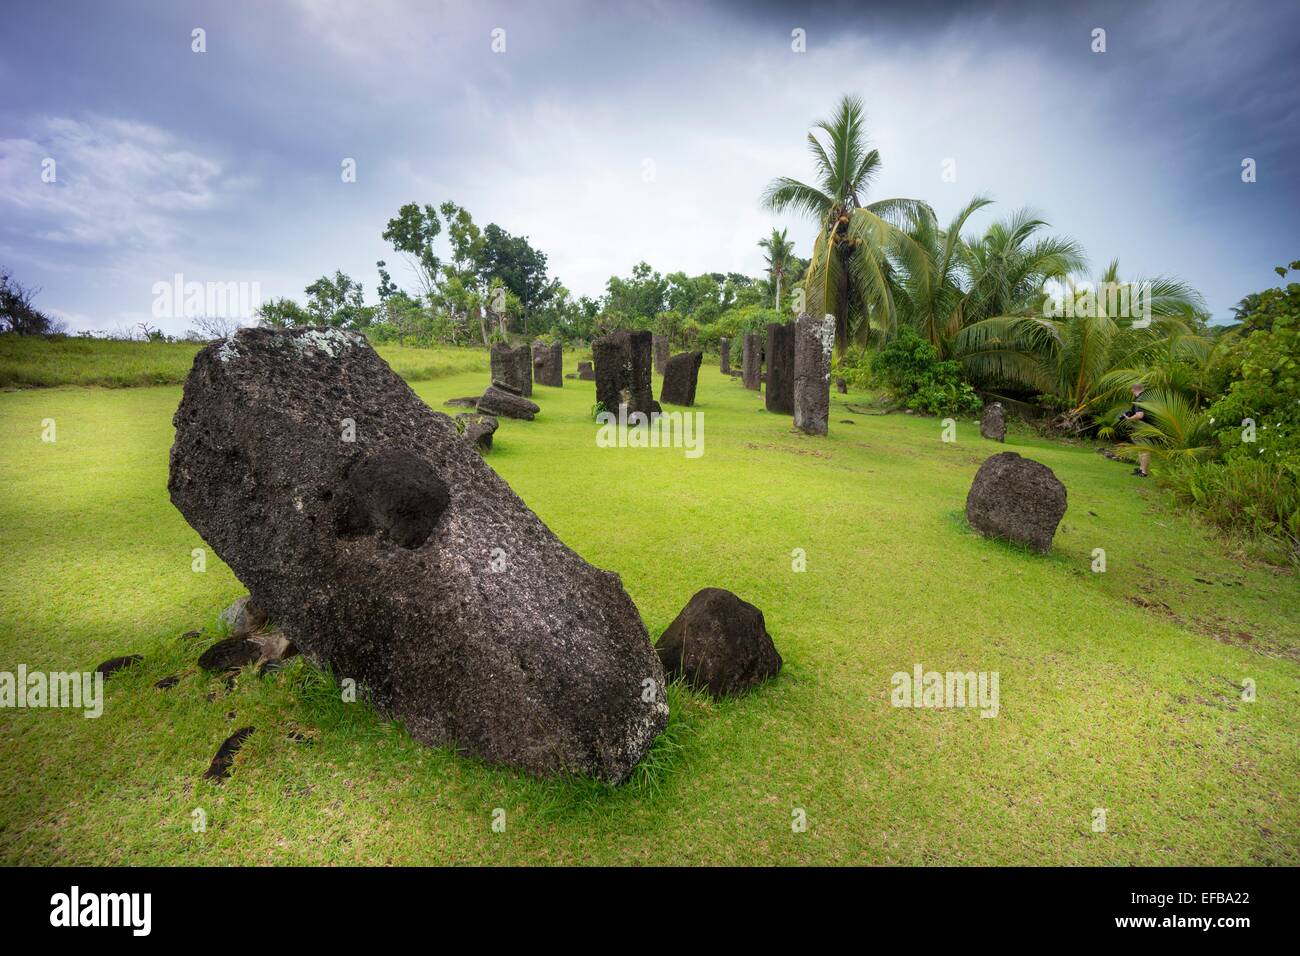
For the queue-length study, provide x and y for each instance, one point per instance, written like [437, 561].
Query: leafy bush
[854, 366]
[1243, 495]
[909, 367]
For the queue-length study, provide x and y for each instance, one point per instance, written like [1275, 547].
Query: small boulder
[219, 769]
[841, 386]
[1016, 499]
[586, 372]
[501, 403]
[230, 654]
[993, 424]
[114, 664]
[478, 429]
[719, 643]
[244, 617]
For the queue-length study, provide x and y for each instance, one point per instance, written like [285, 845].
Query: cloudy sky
[609, 133]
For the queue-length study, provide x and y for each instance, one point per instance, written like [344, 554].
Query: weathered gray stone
[993, 424]
[841, 386]
[724, 356]
[504, 404]
[623, 372]
[548, 364]
[719, 643]
[478, 429]
[779, 352]
[243, 617]
[661, 353]
[402, 561]
[586, 372]
[1017, 499]
[681, 375]
[512, 368]
[813, 341]
[751, 374]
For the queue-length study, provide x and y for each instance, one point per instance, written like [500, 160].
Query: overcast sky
[609, 133]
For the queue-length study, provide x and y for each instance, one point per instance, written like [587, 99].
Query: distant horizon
[614, 136]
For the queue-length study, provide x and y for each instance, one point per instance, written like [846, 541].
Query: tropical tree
[780, 259]
[928, 275]
[848, 273]
[1010, 264]
[1083, 350]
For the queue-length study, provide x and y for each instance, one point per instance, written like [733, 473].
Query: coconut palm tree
[1092, 355]
[848, 273]
[780, 259]
[928, 275]
[1009, 265]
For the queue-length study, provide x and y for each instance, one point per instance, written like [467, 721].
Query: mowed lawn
[1119, 690]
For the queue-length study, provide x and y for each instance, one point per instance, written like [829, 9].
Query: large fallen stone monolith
[719, 643]
[1017, 499]
[660, 344]
[779, 353]
[623, 372]
[751, 369]
[681, 375]
[503, 403]
[724, 356]
[548, 364]
[993, 423]
[400, 560]
[512, 368]
[813, 341]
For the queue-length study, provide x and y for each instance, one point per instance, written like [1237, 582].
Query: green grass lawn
[1119, 690]
[32, 362]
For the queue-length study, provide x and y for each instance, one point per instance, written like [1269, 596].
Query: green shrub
[1245, 496]
[910, 369]
[854, 366]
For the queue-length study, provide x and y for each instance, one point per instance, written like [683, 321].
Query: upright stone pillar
[623, 372]
[779, 397]
[752, 364]
[512, 368]
[724, 347]
[548, 364]
[680, 377]
[813, 341]
[661, 353]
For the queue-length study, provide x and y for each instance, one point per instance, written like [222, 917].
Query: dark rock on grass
[192, 635]
[478, 429]
[724, 356]
[230, 654]
[244, 617]
[993, 423]
[512, 368]
[841, 386]
[225, 756]
[167, 683]
[586, 372]
[483, 632]
[470, 401]
[779, 396]
[719, 643]
[681, 375]
[500, 403]
[847, 421]
[1016, 499]
[114, 664]
[572, 375]
[623, 372]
